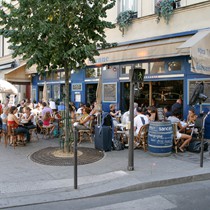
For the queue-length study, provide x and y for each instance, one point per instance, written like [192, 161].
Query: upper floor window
[125, 69]
[55, 75]
[157, 67]
[128, 5]
[93, 72]
[143, 66]
[174, 66]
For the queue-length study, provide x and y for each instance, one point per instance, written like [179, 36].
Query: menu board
[192, 85]
[160, 114]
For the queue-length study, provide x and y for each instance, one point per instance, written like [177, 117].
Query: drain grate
[47, 156]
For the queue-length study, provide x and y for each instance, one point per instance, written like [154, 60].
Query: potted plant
[124, 19]
[164, 8]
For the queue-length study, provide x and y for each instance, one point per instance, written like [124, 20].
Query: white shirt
[138, 122]
[175, 120]
[79, 111]
[125, 117]
[32, 119]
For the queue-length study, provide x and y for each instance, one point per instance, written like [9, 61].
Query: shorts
[178, 135]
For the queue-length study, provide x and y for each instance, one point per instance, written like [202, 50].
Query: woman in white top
[4, 118]
[29, 118]
[187, 138]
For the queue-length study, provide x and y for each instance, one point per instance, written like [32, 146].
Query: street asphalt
[24, 182]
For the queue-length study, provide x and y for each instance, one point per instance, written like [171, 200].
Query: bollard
[75, 157]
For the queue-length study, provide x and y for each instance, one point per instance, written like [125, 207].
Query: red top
[12, 124]
[46, 122]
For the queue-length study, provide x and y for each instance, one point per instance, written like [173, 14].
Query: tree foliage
[55, 33]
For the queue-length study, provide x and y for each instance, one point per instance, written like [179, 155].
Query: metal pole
[131, 136]
[75, 157]
[202, 142]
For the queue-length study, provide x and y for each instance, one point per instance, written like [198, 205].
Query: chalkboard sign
[191, 87]
[160, 114]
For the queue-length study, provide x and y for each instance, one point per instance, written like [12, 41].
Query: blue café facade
[168, 63]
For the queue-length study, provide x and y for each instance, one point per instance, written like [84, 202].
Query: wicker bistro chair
[44, 130]
[14, 137]
[34, 134]
[176, 142]
[89, 131]
[4, 136]
[141, 138]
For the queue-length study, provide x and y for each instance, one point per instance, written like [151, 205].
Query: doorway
[91, 93]
[162, 92]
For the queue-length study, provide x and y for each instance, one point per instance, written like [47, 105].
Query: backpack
[106, 119]
[117, 145]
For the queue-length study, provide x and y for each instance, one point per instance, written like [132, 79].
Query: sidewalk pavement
[24, 182]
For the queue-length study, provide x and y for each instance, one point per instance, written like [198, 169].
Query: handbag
[195, 146]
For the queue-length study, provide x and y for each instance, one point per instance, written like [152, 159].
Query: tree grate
[46, 157]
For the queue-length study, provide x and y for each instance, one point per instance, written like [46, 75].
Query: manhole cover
[49, 156]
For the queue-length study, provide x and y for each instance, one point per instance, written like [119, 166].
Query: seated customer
[114, 113]
[151, 113]
[84, 122]
[187, 138]
[139, 120]
[29, 117]
[14, 123]
[47, 122]
[4, 118]
[167, 111]
[191, 117]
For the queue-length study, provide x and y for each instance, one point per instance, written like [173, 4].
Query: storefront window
[93, 72]
[56, 91]
[49, 91]
[62, 75]
[157, 67]
[55, 75]
[41, 77]
[33, 96]
[174, 66]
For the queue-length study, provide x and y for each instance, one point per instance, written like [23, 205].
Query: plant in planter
[164, 8]
[124, 19]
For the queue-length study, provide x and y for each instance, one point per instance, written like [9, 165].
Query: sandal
[181, 150]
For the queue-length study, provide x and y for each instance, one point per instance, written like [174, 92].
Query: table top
[24, 121]
[121, 125]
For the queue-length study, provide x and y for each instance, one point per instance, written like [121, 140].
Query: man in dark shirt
[177, 107]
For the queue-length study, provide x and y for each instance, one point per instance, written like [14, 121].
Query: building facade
[163, 49]
[156, 47]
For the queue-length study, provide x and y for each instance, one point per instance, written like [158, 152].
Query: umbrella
[99, 94]
[7, 87]
[197, 91]
[45, 94]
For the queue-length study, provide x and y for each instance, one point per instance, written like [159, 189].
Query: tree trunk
[67, 143]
